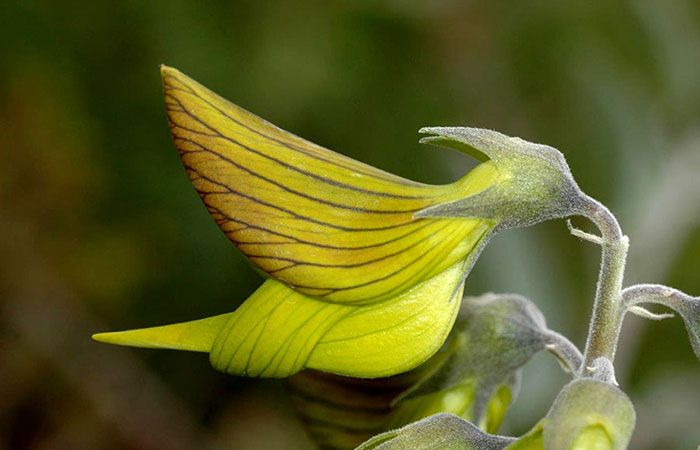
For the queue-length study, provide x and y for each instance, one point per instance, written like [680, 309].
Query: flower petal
[193, 336]
[279, 331]
[320, 222]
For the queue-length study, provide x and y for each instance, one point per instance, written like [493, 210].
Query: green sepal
[536, 182]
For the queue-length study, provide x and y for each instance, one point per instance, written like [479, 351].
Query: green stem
[656, 293]
[608, 310]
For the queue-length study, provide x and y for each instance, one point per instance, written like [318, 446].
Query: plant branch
[688, 307]
[565, 351]
[655, 293]
[608, 311]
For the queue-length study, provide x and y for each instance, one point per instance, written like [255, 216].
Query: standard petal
[326, 225]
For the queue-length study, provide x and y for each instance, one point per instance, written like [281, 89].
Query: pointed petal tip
[134, 338]
[171, 72]
[101, 337]
[167, 70]
[168, 74]
[130, 338]
[196, 336]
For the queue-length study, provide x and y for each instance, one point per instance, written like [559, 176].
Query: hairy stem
[565, 351]
[608, 310]
[655, 293]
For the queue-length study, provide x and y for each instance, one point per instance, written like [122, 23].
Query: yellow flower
[358, 282]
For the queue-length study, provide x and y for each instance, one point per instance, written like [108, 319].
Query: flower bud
[589, 415]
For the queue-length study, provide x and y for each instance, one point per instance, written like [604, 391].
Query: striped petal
[320, 222]
[279, 331]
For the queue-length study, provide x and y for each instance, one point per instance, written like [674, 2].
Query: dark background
[100, 229]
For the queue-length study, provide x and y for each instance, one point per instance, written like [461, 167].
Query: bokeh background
[101, 230]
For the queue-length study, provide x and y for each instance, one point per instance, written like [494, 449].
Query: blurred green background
[101, 230]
